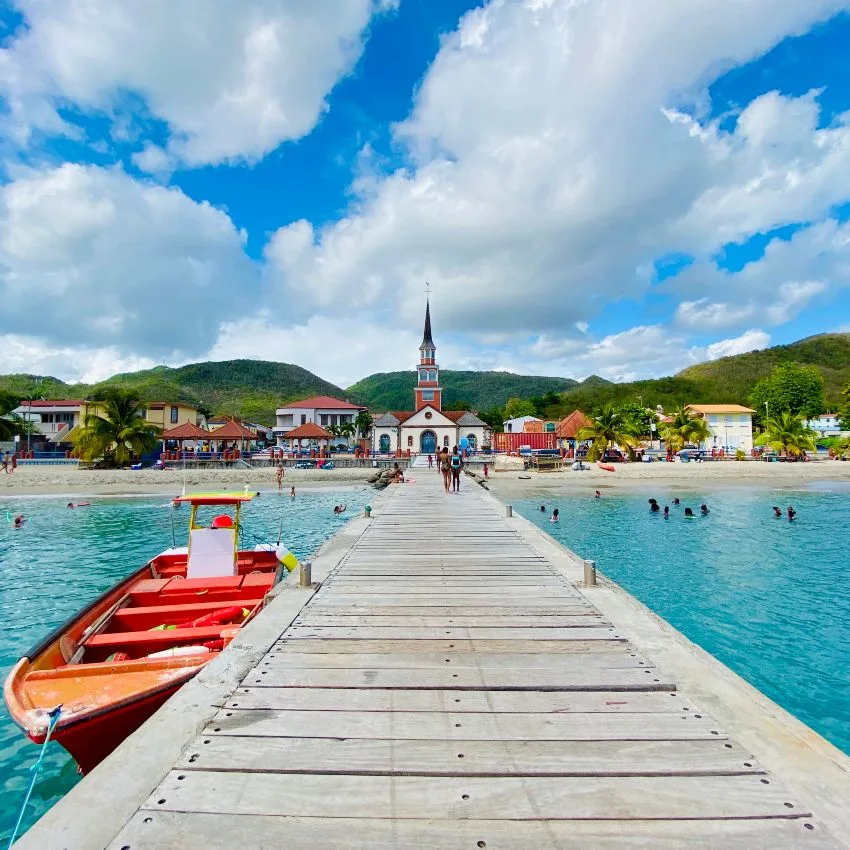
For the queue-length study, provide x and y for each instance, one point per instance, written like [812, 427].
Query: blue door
[384, 443]
[428, 442]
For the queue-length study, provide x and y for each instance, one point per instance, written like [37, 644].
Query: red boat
[113, 664]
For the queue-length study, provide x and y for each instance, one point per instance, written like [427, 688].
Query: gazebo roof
[231, 430]
[186, 431]
[308, 431]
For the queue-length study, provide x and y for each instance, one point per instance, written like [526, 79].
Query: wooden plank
[474, 798]
[562, 647]
[465, 679]
[497, 702]
[468, 757]
[440, 600]
[471, 611]
[620, 659]
[154, 830]
[597, 632]
[309, 618]
[469, 726]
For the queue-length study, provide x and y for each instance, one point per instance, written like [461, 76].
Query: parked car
[305, 464]
[613, 456]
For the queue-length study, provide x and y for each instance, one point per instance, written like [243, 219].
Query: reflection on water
[64, 557]
[766, 596]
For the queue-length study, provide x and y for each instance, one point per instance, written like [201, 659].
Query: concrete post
[305, 576]
[589, 573]
[509, 510]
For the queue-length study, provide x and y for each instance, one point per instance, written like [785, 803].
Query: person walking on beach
[279, 475]
[486, 470]
[457, 466]
[5, 457]
[445, 468]
[430, 461]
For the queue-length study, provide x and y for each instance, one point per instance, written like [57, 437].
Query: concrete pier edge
[809, 764]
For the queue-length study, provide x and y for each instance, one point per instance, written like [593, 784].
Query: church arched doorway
[428, 442]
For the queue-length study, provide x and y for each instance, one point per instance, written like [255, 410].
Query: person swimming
[777, 512]
[292, 493]
[18, 521]
[654, 507]
[791, 514]
[703, 509]
[597, 495]
[666, 511]
[543, 509]
[555, 516]
[339, 509]
[689, 512]
[78, 505]
[676, 500]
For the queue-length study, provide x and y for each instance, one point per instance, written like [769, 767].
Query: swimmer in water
[654, 506]
[666, 511]
[676, 500]
[688, 512]
[339, 509]
[777, 512]
[555, 516]
[791, 514]
[18, 521]
[292, 493]
[597, 495]
[703, 509]
[543, 509]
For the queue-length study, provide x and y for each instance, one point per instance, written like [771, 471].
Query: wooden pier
[449, 687]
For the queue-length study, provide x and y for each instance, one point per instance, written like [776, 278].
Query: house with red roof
[427, 428]
[321, 410]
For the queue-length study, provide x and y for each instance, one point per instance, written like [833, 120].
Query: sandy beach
[60, 480]
[673, 476]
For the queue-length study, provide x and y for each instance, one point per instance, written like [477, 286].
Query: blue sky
[615, 187]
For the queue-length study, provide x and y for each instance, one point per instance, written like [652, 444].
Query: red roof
[309, 431]
[569, 426]
[324, 402]
[231, 431]
[48, 402]
[186, 431]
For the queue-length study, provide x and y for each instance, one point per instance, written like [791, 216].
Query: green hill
[394, 390]
[251, 389]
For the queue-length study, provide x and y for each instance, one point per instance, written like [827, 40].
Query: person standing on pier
[457, 466]
[445, 468]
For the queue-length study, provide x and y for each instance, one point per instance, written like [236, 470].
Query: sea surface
[63, 558]
[766, 596]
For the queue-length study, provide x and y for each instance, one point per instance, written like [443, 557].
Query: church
[427, 428]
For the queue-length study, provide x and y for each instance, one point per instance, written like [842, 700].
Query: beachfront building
[730, 425]
[827, 425]
[167, 414]
[568, 428]
[51, 419]
[322, 410]
[518, 423]
[428, 428]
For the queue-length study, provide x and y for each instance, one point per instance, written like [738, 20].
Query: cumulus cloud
[90, 257]
[751, 340]
[233, 78]
[556, 149]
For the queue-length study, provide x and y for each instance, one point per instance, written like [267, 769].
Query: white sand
[56, 480]
[630, 476]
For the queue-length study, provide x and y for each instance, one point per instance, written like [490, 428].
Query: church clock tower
[428, 392]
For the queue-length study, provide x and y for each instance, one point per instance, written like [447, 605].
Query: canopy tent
[232, 430]
[183, 433]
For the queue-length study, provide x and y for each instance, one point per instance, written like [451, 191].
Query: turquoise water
[62, 558]
[768, 597]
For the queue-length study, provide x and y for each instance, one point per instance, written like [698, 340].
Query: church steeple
[428, 392]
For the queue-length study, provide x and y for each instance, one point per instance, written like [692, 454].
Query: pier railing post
[589, 573]
[509, 510]
[305, 576]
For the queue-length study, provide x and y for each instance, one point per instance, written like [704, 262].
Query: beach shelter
[232, 431]
[570, 425]
[184, 432]
[309, 431]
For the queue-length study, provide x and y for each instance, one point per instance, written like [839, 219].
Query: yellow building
[163, 414]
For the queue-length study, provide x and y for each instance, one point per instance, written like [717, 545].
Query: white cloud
[152, 159]
[749, 341]
[90, 257]
[545, 173]
[232, 78]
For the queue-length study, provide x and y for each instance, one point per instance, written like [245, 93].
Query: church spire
[427, 341]
[428, 392]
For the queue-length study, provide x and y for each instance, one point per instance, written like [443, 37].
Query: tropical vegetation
[789, 387]
[609, 427]
[115, 429]
[787, 433]
[685, 428]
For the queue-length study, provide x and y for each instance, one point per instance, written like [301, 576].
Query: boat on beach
[114, 663]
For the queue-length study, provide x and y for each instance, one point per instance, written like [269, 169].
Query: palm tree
[608, 428]
[787, 433]
[363, 423]
[685, 427]
[115, 428]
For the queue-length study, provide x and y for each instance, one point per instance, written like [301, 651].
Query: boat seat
[149, 616]
[193, 585]
[212, 552]
[131, 640]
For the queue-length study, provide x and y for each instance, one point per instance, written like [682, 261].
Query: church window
[432, 375]
[423, 374]
[471, 439]
[427, 395]
[446, 442]
[428, 414]
[409, 441]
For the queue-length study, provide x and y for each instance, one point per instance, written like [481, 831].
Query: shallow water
[63, 558]
[766, 596]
